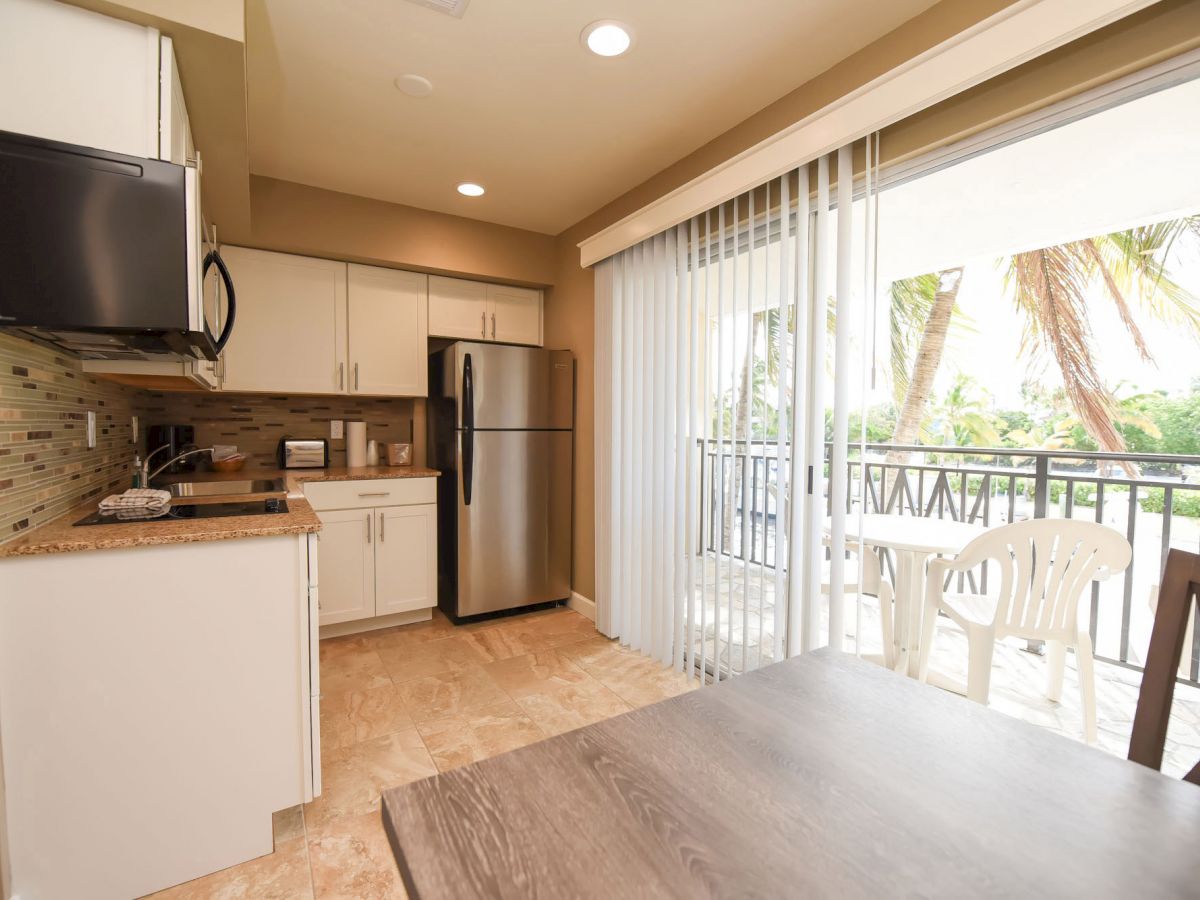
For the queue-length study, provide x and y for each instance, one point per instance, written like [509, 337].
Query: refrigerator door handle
[468, 463]
[468, 427]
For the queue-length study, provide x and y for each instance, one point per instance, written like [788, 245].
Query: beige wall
[295, 218]
[1162, 31]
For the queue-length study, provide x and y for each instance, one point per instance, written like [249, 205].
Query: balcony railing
[741, 512]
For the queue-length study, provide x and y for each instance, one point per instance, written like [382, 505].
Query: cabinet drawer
[373, 492]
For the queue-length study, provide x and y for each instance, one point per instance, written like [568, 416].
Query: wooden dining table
[819, 776]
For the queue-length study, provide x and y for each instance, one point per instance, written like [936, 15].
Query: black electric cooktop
[190, 511]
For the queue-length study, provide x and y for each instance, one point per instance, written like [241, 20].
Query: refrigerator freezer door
[514, 537]
[515, 387]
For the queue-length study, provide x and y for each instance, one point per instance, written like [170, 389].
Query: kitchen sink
[226, 488]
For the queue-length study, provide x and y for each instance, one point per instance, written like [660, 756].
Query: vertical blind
[715, 341]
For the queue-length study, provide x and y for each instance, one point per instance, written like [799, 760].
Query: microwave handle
[214, 258]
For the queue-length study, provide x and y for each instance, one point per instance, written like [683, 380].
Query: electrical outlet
[91, 429]
[335, 429]
[133, 430]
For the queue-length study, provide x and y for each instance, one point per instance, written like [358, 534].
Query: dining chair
[1176, 599]
[1044, 567]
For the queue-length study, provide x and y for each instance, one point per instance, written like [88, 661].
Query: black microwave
[101, 253]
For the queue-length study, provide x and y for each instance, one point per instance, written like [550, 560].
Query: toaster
[294, 453]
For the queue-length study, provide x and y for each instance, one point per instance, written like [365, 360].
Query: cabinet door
[406, 558]
[347, 565]
[389, 332]
[175, 130]
[457, 308]
[290, 330]
[75, 76]
[514, 315]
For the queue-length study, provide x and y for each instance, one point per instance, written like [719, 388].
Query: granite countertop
[61, 536]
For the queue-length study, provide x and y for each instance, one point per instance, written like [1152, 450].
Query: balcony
[1143, 496]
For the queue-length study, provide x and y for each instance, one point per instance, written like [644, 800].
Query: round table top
[916, 534]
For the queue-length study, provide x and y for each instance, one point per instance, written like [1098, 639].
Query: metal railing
[741, 512]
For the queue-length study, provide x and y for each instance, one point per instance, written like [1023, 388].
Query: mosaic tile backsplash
[256, 422]
[45, 464]
[46, 467]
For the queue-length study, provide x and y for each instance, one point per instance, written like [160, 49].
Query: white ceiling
[552, 131]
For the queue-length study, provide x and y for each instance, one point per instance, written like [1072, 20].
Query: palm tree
[928, 300]
[963, 419]
[1049, 289]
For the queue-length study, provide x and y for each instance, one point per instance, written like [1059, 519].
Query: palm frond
[911, 300]
[1049, 287]
[1137, 260]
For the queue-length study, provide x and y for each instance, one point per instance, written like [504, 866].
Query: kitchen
[412, 425]
[279, 469]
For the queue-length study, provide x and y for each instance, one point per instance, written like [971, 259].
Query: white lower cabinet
[376, 560]
[347, 565]
[405, 559]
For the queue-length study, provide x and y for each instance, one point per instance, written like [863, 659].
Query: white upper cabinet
[80, 77]
[457, 308]
[290, 331]
[475, 311]
[389, 330]
[175, 129]
[514, 315]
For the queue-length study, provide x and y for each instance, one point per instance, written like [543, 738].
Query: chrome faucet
[147, 475]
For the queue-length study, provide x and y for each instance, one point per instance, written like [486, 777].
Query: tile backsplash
[256, 422]
[46, 467]
[45, 464]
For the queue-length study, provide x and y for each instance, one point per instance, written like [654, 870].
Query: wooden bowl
[229, 464]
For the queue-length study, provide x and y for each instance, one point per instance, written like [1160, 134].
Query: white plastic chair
[1044, 566]
[873, 585]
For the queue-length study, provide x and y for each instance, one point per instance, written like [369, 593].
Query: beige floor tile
[449, 693]
[353, 777]
[557, 628]
[435, 629]
[496, 642]
[635, 678]
[288, 824]
[459, 740]
[282, 875]
[452, 654]
[358, 716]
[570, 706]
[351, 858]
[534, 672]
[360, 671]
[341, 648]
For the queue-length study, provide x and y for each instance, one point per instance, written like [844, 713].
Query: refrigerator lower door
[514, 536]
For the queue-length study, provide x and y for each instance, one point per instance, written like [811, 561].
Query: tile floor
[408, 702]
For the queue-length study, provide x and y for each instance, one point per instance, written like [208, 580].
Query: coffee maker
[177, 439]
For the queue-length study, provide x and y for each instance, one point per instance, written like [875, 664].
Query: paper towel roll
[356, 444]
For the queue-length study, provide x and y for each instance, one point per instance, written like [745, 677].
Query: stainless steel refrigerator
[501, 430]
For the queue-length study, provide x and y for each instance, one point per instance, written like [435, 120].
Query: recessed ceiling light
[470, 189]
[607, 38]
[414, 85]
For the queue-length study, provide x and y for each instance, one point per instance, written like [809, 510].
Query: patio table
[913, 540]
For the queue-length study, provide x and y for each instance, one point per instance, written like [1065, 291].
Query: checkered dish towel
[135, 498]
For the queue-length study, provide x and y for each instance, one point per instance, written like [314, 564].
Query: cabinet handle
[483, 324]
[341, 376]
[368, 528]
[493, 326]
[376, 494]
[356, 376]
[381, 528]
